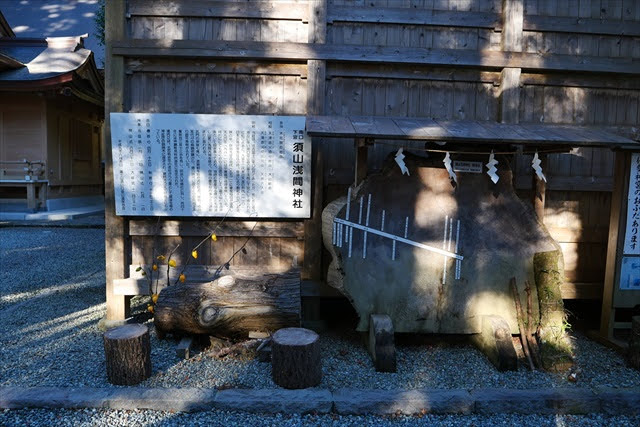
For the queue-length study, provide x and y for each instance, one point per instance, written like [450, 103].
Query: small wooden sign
[211, 165]
[468, 167]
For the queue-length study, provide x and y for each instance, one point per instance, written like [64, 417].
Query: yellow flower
[194, 254]
[214, 237]
[172, 263]
[150, 308]
[154, 298]
[161, 257]
[182, 278]
[155, 267]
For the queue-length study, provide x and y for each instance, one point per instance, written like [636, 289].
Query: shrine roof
[466, 131]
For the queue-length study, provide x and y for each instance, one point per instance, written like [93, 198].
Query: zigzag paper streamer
[400, 162]
[535, 164]
[447, 165]
[492, 168]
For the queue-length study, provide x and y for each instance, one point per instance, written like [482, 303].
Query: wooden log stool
[295, 358]
[128, 354]
[634, 343]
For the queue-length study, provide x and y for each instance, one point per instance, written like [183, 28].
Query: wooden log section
[295, 358]
[495, 342]
[634, 343]
[231, 306]
[381, 343]
[128, 354]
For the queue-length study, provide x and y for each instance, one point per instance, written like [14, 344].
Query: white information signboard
[632, 231]
[211, 165]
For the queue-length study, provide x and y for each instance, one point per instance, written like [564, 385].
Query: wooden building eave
[466, 131]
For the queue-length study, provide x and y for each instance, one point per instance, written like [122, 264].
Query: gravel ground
[52, 297]
[111, 418]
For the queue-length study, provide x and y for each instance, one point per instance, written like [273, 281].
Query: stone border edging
[344, 401]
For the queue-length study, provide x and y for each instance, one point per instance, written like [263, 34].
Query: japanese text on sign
[211, 165]
[632, 232]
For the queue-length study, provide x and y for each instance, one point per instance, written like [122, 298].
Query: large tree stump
[231, 306]
[381, 343]
[128, 354]
[295, 358]
[634, 343]
[555, 350]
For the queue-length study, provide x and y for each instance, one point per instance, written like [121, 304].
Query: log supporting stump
[295, 358]
[634, 343]
[496, 343]
[381, 343]
[128, 354]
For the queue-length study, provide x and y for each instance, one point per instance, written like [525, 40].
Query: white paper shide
[211, 165]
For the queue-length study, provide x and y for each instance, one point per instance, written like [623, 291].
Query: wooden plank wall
[199, 56]
[217, 87]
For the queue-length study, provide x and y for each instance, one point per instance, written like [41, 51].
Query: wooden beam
[297, 52]
[168, 227]
[117, 253]
[614, 243]
[509, 98]
[412, 72]
[280, 10]
[135, 65]
[581, 290]
[540, 190]
[561, 24]
[409, 16]
[512, 17]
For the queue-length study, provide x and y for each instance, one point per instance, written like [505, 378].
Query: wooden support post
[613, 245]
[634, 343]
[183, 348]
[117, 253]
[381, 343]
[32, 205]
[295, 358]
[539, 191]
[362, 152]
[316, 77]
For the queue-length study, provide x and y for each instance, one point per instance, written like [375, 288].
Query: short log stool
[295, 358]
[128, 354]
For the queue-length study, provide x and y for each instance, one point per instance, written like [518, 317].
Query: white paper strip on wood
[211, 165]
[632, 230]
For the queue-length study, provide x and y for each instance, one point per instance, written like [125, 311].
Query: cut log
[128, 354]
[555, 349]
[495, 342]
[295, 358]
[231, 306]
[634, 343]
[381, 343]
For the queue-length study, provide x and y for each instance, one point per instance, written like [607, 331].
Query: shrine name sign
[211, 165]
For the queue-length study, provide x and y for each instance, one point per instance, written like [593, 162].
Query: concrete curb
[344, 401]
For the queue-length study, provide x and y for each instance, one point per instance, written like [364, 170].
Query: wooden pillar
[539, 191]
[115, 227]
[614, 242]
[362, 154]
[316, 76]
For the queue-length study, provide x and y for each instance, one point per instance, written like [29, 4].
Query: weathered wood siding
[414, 58]
[22, 131]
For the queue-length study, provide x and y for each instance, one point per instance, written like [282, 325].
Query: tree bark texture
[555, 350]
[231, 306]
[295, 358]
[128, 354]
